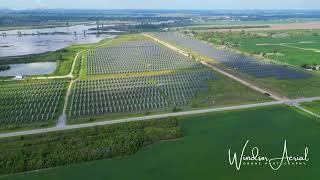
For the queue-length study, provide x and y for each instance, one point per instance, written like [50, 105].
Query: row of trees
[75, 146]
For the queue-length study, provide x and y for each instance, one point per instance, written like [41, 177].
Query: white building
[18, 77]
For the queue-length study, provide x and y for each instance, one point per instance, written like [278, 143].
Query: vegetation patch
[312, 106]
[32, 152]
[225, 91]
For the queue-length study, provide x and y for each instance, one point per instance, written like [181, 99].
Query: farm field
[284, 80]
[294, 47]
[30, 104]
[203, 151]
[259, 26]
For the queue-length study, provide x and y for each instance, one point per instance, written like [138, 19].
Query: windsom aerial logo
[275, 163]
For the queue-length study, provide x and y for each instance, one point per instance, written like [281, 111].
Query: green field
[313, 106]
[293, 88]
[294, 47]
[203, 152]
[224, 91]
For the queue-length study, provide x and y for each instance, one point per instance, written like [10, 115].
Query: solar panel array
[135, 94]
[27, 103]
[136, 56]
[233, 60]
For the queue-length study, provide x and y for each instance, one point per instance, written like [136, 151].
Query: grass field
[294, 47]
[312, 106]
[203, 152]
[224, 91]
[293, 88]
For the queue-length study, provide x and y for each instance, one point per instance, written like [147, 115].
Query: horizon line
[164, 9]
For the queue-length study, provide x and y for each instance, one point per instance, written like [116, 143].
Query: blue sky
[162, 4]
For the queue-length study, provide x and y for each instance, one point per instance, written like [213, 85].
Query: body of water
[35, 41]
[30, 69]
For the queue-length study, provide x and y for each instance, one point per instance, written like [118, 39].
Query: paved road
[185, 113]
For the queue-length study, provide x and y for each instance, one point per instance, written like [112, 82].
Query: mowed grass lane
[202, 153]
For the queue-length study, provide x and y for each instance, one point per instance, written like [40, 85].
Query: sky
[160, 4]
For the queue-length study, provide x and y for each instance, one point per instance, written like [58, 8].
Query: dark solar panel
[233, 60]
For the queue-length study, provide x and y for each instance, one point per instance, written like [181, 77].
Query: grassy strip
[32, 152]
[312, 106]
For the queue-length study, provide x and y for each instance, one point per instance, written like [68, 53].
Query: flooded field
[29, 69]
[35, 41]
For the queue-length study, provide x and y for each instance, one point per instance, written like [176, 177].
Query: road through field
[143, 118]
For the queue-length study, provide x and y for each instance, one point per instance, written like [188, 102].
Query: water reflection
[34, 41]
[30, 69]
